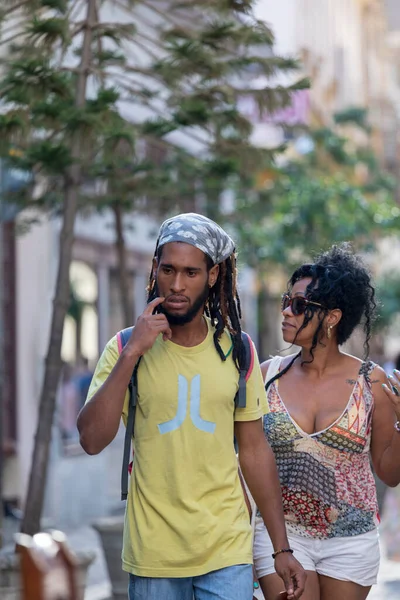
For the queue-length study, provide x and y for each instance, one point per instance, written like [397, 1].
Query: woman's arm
[259, 470]
[385, 446]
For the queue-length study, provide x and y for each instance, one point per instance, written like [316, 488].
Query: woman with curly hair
[330, 413]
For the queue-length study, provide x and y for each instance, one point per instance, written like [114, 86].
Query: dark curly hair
[222, 305]
[339, 279]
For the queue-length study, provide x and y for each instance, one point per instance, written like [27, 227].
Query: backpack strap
[129, 431]
[240, 398]
[244, 374]
[122, 339]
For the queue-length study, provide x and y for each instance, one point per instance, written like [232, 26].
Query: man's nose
[178, 283]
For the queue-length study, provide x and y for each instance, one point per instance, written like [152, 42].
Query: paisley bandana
[198, 231]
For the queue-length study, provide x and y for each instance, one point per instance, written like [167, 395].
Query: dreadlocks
[222, 305]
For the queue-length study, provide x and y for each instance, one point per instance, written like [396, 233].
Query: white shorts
[355, 558]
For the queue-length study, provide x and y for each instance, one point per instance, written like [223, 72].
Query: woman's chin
[288, 336]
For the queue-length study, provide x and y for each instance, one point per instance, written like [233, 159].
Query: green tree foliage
[388, 295]
[68, 73]
[190, 81]
[336, 192]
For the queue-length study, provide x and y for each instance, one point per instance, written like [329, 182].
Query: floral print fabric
[327, 484]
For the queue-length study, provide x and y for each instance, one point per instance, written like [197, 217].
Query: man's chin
[178, 319]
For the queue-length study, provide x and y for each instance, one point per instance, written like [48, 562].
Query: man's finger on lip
[153, 304]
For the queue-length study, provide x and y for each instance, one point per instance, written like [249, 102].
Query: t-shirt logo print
[177, 421]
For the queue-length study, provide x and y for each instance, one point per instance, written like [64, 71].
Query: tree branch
[11, 38]
[9, 11]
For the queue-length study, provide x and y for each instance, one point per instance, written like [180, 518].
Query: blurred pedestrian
[329, 413]
[186, 529]
[82, 380]
[69, 404]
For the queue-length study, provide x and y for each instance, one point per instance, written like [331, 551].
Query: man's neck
[191, 334]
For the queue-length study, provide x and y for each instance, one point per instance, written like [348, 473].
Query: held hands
[293, 575]
[148, 327]
[393, 392]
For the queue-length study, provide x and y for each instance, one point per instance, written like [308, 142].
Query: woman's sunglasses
[298, 304]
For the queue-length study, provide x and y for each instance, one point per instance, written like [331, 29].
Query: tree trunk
[269, 340]
[123, 275]
[2, 402]
[213, 204]
[38, 473]
[78, 339]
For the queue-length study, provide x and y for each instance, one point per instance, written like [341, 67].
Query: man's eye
[191, 273]
[166, 270]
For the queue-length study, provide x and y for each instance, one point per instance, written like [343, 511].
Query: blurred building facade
[346, 47]
[80, 487]
[393, 40]
[349, 49]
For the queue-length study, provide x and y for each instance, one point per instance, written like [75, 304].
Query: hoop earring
[329, 332]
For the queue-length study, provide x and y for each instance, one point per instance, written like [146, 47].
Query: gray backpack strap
[129, 431]
[244, 374]
[122, 339]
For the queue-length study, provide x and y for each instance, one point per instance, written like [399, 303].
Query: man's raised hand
[148, 327]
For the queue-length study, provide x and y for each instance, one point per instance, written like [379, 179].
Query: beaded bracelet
[275, 554]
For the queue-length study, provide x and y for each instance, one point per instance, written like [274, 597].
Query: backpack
[240, 398]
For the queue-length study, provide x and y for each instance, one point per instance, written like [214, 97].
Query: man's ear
[213, 275]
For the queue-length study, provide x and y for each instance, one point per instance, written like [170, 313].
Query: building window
[79, 349]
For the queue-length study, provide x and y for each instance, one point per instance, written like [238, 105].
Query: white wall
[140, 230]
[35, 276]
[282, 17]
[332, 32]
[79, 487]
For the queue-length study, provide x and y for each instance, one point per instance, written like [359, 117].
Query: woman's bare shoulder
[353, 366]
[354, 362]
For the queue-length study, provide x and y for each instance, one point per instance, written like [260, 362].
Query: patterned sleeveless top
[327, 484]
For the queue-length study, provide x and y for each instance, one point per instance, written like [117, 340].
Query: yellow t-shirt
[185, 513]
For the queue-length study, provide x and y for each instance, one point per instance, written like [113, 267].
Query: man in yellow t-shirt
[187, 531]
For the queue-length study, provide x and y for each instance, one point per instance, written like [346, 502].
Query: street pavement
[98, 584]
[388, 587]
[98, 588]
